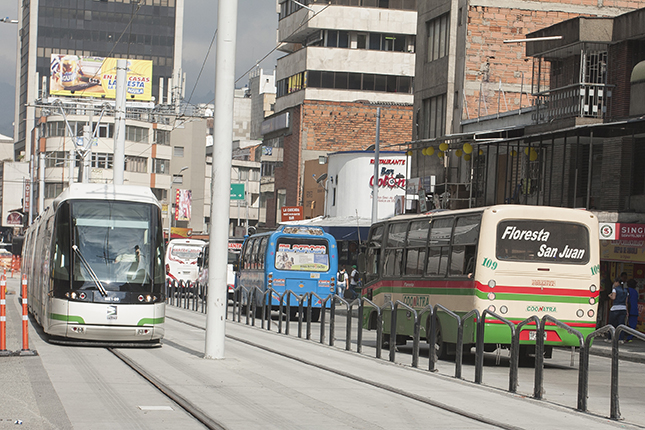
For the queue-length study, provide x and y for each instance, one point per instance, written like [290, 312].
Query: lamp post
[170, 200]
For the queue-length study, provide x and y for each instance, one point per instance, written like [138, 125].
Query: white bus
[181, 259]
[517, 261]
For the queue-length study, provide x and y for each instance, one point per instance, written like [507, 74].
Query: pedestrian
[632, 307]
[354, 279]
[618, 311]
[341, 281]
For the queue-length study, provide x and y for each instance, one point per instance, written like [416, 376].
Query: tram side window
[415, 257]
[464, 245]
[373, 259]
[393, 258]
[61, 260]
[439, 246]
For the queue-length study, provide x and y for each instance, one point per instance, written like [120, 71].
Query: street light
[9, 20]
[170, 201]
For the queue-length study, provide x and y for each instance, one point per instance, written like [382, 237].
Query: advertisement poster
[72, 75]
[183, 202]
[313, 258]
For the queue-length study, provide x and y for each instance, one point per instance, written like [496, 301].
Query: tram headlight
[492, 283]
[593, 288]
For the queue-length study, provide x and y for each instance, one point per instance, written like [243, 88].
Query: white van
[181, 259]
[234, 248]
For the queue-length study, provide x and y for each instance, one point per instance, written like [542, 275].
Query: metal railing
[257, 304]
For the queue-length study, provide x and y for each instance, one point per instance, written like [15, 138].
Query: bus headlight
[592, 301]
[491, 296]
[491, 283]
[503, 309]
[591, 313]
[491, 308]
[580, 313]
[593, 288]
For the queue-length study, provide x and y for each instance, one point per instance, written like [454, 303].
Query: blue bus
[302, 259]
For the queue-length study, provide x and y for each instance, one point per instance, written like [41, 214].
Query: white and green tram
[94, 262]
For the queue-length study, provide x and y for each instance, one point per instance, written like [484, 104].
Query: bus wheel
[315, 314]
[440, 346]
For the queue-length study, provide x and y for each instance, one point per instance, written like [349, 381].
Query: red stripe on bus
[484, 288]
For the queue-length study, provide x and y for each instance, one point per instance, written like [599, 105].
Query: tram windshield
[119, 241]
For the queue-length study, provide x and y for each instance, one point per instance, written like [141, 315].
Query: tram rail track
[385, 387]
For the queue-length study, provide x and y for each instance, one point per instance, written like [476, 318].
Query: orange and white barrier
[25, 315]
[3, 314]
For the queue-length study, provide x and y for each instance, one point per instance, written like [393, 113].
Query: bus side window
[417, 239]
[263, 251]
[393, 259]
[247, 254]
[256, 253]
[464, 245]
[439, 246]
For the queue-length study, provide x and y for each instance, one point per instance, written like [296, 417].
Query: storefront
[622, 249]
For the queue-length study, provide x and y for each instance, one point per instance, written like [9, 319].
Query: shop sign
[622, 250]
[631, 232]
[292, 213]
[608, 231]
[14, 218]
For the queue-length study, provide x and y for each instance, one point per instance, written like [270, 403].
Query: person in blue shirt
[632, 307]
[618, 311]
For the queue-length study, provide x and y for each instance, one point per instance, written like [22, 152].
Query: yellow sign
[622, 250]
[76, 76]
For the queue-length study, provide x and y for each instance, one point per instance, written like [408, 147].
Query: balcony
[573, 101]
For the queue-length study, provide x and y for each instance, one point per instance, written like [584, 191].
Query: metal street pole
[221, 179]
[376, 167]
[119, 121]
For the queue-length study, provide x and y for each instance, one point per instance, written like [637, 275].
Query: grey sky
[256, 36]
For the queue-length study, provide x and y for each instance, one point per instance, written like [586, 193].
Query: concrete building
[93, 29]
[343, 63]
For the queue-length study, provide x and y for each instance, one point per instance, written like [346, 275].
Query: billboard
[73, 75]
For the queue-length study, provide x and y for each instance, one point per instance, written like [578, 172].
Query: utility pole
[221, 179]
[376, 167]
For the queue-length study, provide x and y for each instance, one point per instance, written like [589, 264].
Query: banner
[183, 202]
[72, 75]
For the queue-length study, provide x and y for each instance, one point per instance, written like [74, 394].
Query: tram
[94, 262]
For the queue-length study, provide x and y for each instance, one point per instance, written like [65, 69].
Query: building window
[178, 151]
[136, 134]
[53, 189]
[160, 166]
[105, 130]
[359, 81]
[136, 164]
[437, 37]
[55, 159]
[161, 194]
[102, 160]
[434, 117]
[162, 137]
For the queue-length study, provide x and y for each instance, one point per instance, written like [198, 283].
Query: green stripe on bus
[67, 318]
[150, 321]
[534, 298]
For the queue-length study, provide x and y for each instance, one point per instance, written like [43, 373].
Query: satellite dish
[321, 178]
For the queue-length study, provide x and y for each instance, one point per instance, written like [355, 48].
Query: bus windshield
[542, 241]
[296, 253]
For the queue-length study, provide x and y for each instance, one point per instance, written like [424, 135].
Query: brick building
[317, 128]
